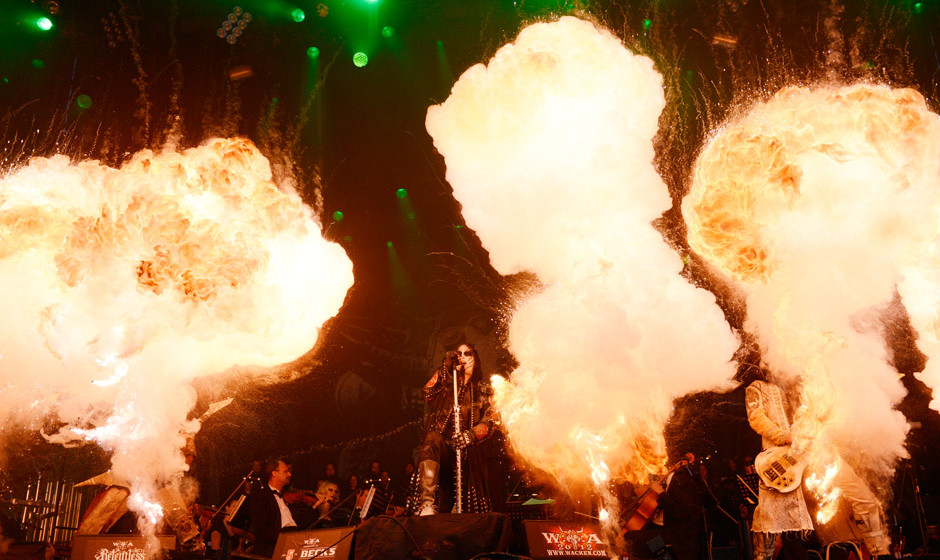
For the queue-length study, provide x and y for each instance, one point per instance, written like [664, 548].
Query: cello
[647, 503]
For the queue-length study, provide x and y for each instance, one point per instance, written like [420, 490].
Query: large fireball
[123, 285]
[549, 150]
[822, 204]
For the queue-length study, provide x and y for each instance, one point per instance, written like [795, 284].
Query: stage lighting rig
[234, 25]
[112, 30]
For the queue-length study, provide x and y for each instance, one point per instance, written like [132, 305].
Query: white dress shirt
[287, 520]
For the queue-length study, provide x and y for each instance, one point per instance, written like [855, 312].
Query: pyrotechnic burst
[549, 150]
[821, 203]
[123, 285]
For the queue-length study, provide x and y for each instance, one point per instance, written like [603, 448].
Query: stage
[436, 537]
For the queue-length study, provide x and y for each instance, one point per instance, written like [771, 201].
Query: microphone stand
[909, 471]
[459, 451]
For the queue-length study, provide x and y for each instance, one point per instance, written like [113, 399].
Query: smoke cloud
[549, 150]
[121, 286]
[821, 203]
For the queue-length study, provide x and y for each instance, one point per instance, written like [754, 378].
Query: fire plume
[822, 204]
[125, 284]
[549, 151]
[821, 485]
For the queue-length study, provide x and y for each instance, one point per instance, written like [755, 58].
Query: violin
[305, 497]
[298, 496]
[203, 517]
[199, 510]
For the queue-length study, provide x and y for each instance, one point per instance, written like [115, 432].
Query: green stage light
[338, 216]
[389, 244]
[445, 73]
[918, 8]
[411, 215]
[313, 52]
[360, 59]
[83, 101]
[298, 15]
[6, 80]
[647, 23]
[401, 193]
[44, 23]
[347, 239]
[388, 31]
[38, 63]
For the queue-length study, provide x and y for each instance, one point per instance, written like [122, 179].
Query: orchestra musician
[673, 507]
[310, 508]
[325, 507]
[269, 512]
[223, 537]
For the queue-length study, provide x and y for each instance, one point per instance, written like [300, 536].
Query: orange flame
[126, 283]
[826, 492]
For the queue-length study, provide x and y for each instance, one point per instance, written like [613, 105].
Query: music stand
[747, 486]
[909, 473]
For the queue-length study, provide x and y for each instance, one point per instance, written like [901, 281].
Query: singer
[445, 433]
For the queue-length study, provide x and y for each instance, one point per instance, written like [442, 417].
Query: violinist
[328, 498]
[269, 512]
[223, 536]
[309, 507]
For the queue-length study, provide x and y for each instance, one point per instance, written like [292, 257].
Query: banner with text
[551, 539]
[116, 547]
[326, 544]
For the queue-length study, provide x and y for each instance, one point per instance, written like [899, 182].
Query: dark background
[156, 71]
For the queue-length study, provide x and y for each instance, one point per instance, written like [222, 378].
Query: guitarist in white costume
[777, 514]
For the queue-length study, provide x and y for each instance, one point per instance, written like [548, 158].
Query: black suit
[265, 520]
[682, 526]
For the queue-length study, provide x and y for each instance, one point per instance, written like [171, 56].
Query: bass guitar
[780, 468]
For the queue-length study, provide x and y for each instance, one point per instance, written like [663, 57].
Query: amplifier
[531, 509]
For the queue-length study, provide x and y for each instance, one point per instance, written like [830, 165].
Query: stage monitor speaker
[725, 553]
[552, 539]
[116, 547]
[326, 544]
[445, 536]
[26, 551]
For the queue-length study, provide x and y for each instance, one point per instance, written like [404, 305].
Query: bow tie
[277, 493]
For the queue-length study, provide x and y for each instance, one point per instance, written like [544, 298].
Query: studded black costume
[440, 441]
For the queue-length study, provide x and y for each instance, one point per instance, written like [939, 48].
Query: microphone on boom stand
[459, 489]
